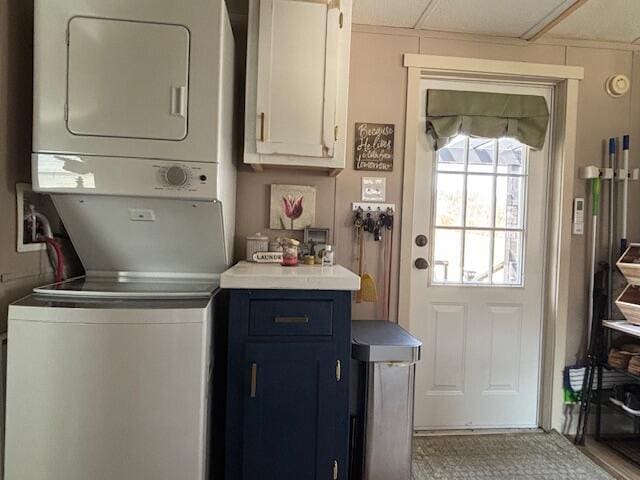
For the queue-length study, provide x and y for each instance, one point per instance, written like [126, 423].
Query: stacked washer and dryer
[109, 375]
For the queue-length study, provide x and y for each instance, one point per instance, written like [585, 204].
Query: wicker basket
[618, 359]
[629, 264]
[634, 365]
[629, 304]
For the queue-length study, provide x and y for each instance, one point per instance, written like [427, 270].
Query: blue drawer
[291, 317]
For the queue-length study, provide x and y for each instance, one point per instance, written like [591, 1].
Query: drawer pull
[302, 319]
[254, 379]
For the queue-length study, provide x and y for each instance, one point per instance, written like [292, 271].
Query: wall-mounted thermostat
[578, 216]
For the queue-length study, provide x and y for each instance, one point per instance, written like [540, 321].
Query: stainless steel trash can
[383, 372]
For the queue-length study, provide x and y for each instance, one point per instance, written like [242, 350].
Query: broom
[368, 290]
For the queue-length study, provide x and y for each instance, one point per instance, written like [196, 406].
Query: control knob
[176, 176]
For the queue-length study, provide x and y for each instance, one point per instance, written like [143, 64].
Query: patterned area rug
[548, 456]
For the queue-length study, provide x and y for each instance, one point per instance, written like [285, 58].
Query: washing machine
[111, 380]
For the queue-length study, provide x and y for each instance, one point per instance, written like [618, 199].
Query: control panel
[578, 216]
[125, 176]
[180, 177]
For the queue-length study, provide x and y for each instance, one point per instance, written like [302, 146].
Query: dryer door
[127, 79]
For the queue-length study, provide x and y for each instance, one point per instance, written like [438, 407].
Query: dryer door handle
[178, 101]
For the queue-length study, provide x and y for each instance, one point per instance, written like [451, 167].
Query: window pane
[446, 257]
[481, 155]
[451, 157]
[449, 199]
[479, 200]
[477, 249]
[507, 258]
[511, 156]
[509, 202]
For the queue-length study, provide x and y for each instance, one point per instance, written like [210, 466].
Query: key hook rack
[373, 207]
[373, 218]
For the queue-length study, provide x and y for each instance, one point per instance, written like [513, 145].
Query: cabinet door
[298, 45]
[127, 79]
[289, 411]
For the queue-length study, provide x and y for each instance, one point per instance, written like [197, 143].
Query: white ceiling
[616, 20]
[608, 20]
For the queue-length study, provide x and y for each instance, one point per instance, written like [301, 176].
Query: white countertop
[302, 277]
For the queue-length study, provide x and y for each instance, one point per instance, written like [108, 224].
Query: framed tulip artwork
[293, 207]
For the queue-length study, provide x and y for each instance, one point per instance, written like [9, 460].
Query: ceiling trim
[551, 21]
[549, 17]
[426, 13]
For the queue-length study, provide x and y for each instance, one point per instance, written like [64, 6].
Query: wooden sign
[374, 146]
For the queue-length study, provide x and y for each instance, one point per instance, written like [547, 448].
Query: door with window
[481, 203]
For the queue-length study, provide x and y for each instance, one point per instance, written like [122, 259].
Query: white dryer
[135, 99]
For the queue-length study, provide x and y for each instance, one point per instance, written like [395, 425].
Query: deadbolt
[421, 240]
[421, 263]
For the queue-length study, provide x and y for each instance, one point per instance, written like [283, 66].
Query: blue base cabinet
[287, 412]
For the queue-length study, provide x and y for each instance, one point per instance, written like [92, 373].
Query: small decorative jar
[289, 252]
[256, 243]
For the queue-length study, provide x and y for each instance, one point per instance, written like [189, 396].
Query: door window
[480, 211]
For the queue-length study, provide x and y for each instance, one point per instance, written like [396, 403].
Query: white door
[127, 79]
[297, 77]
[481, 204]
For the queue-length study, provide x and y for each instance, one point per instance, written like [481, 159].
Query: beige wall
[18, 272]
[377, 92]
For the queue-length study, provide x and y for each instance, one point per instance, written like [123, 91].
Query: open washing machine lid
[133, 288]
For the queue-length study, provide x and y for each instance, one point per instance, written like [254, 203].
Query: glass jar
[289, 255]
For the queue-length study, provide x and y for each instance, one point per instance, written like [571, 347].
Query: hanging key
[369, 224]
[357, 219]
[377, 230]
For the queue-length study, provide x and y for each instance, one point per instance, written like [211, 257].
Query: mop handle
[595, 196]
[625, 192]
[611, 221]
[595, 211]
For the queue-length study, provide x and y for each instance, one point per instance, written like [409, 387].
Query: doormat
[500, 457]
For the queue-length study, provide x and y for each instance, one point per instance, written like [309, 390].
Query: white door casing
[565, 79]
[481, 355]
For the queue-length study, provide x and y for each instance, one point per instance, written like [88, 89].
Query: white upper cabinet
[127, 79]
[297, 82]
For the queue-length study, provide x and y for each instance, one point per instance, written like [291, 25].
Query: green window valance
[487, 115]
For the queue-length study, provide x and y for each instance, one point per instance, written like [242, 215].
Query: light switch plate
[374, 189]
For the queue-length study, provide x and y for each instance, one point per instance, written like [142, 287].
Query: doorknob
[421, 263]
[421, 240]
